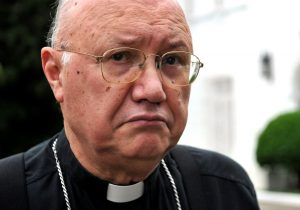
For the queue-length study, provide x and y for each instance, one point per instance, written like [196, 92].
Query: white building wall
[231, 101]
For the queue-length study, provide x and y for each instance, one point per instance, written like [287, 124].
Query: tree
[279, 143]
[28, 113]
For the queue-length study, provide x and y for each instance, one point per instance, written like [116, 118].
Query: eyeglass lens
[124, 65]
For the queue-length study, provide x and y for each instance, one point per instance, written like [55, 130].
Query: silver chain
[64, 188]
[62, 181]
[172, 183]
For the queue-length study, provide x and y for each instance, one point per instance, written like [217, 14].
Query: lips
[147, 118]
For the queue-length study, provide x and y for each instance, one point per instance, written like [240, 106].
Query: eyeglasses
[125, 65]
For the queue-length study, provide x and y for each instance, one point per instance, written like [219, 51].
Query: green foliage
[279, 143]
[28, 112]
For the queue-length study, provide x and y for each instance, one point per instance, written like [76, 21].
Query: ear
[53, 71]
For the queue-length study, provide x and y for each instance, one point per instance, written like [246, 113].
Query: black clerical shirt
[205, 180]
[87, 192]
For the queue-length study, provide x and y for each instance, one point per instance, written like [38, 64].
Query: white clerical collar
[122, 194]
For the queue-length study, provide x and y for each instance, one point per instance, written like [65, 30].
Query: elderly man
[121, 72]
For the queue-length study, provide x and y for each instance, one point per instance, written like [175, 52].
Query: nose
[149, 87]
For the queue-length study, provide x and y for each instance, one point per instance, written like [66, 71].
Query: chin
[148, 149]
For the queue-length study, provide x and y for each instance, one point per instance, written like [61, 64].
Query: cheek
[92, 103]
[184, 94]
[84, 95]
[178, 102]
[180, 98]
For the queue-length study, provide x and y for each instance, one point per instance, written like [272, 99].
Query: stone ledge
[269, 200]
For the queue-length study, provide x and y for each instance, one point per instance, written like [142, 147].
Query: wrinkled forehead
[102, 18]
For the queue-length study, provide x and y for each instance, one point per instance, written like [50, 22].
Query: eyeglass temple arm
[97, 57]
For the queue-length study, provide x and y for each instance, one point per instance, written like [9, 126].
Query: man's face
[141, 120]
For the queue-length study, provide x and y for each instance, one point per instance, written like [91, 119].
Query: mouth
[147, 120]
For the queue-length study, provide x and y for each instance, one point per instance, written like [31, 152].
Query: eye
[176, 59]
[122, 56]
[170, 60]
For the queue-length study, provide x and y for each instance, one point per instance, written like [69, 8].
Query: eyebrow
[127, 40]
[135, 40]
[166, 44]
[178, 44]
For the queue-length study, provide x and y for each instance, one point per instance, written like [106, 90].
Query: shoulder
[37, 161]
[8, 160]
[10, 166]
[212, 180]
[211, 164]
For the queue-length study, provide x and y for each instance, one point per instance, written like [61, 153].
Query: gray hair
[52, 34]
[53, 31]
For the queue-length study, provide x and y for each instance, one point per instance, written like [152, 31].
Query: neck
[111, 168]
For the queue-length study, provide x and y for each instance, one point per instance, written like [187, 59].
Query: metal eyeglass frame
[99, 59]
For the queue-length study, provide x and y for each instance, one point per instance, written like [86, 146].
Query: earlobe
[53, 71]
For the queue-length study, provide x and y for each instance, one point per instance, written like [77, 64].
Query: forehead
[134, 22]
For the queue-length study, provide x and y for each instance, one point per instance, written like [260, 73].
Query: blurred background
[28, 112]
[245, 103]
